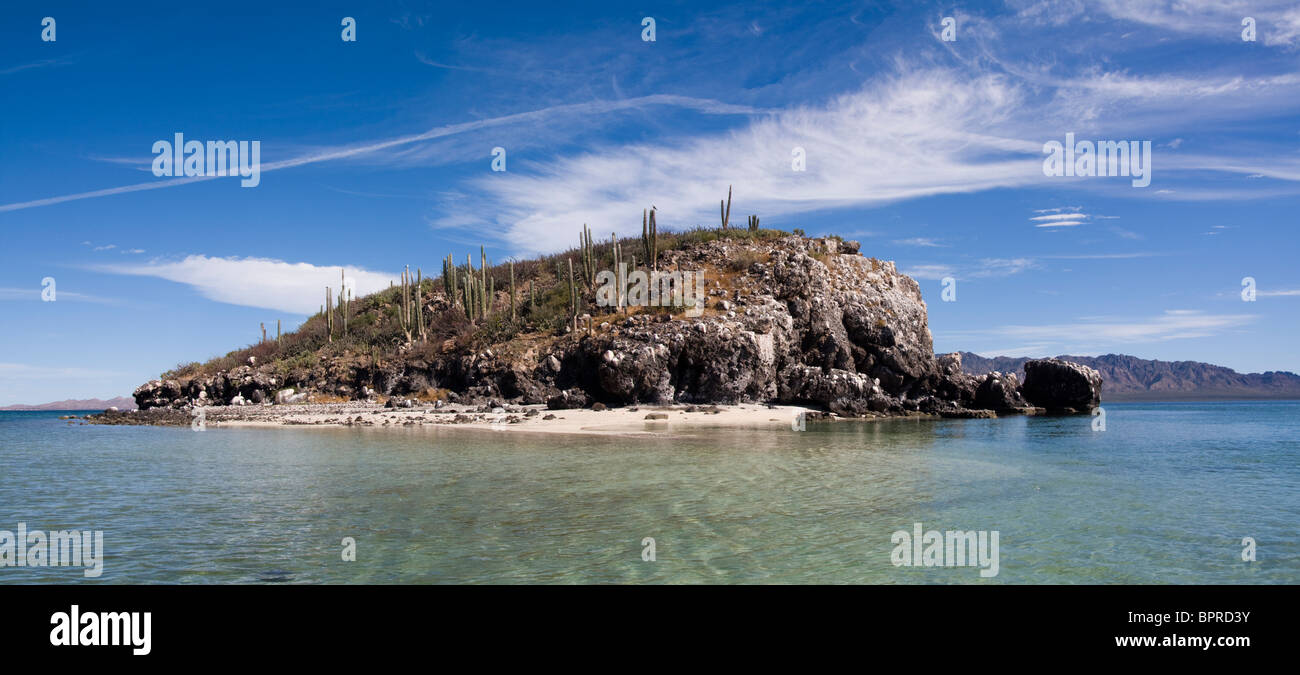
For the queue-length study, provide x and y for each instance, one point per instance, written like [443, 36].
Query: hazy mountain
[1130, 378]
[121, 403]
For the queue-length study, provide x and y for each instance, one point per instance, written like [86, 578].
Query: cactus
[650, 239]
[343, 299]
[532, 297]
[726, 213]
[618, 258]
[468, 301]
[449, 278]
[328, 311]
[512, 291]
[404, 310]
[277, 331]
[573, 294]
[483, 296]
[753, 223]
[419, 305]
[471, 295]
[263, 331]
[588, 250]
[411, 313]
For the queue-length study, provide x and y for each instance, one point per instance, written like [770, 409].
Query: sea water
[1167, 493]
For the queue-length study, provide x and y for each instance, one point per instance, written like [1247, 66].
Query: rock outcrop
[1062, 386]
[807, 321]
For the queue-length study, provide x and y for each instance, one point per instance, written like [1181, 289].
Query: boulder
[1061, 386]
[570, 398]
[999, 392]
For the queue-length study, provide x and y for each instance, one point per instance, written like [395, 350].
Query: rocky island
[778, 320]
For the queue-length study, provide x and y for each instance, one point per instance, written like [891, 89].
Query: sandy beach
[632, 420]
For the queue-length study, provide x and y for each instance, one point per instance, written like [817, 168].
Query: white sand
[615, 421]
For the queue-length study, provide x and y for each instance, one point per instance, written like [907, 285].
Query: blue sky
[376, 154]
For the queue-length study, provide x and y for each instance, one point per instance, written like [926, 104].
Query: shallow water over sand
[1164, 495]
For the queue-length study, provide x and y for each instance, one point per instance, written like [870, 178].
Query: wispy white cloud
[910, 133]
[1003, 267]
[1059, 216]
[930, 272]
[110, 247]
[1102, 332]
[926, 242]
[1104, 256]
[982, 269]
[298, 288]
[60, 295]
[705, 106]
[419, 56]
[914, 134]
[35, 64]
[1277, 22]
[1058, 209]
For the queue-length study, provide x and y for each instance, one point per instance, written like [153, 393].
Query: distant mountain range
[1128, 378]
[121, 403]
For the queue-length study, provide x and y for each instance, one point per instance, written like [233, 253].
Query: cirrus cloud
[258, 282]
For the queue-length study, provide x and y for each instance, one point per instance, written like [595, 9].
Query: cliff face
[814, 322]
[1129, 377]
[792, 320]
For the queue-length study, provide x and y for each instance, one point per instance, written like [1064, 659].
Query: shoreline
[639, 420]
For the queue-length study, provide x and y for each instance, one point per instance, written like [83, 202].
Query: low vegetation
[472, 306]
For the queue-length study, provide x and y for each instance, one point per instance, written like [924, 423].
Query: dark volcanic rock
[1061, 386]
[999, 392]
[565, 400]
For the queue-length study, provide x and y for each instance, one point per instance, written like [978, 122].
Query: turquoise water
[1164, 495]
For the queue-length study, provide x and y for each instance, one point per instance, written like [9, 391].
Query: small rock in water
[275, 576]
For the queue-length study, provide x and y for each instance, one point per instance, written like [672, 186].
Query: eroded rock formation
[809, 321]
